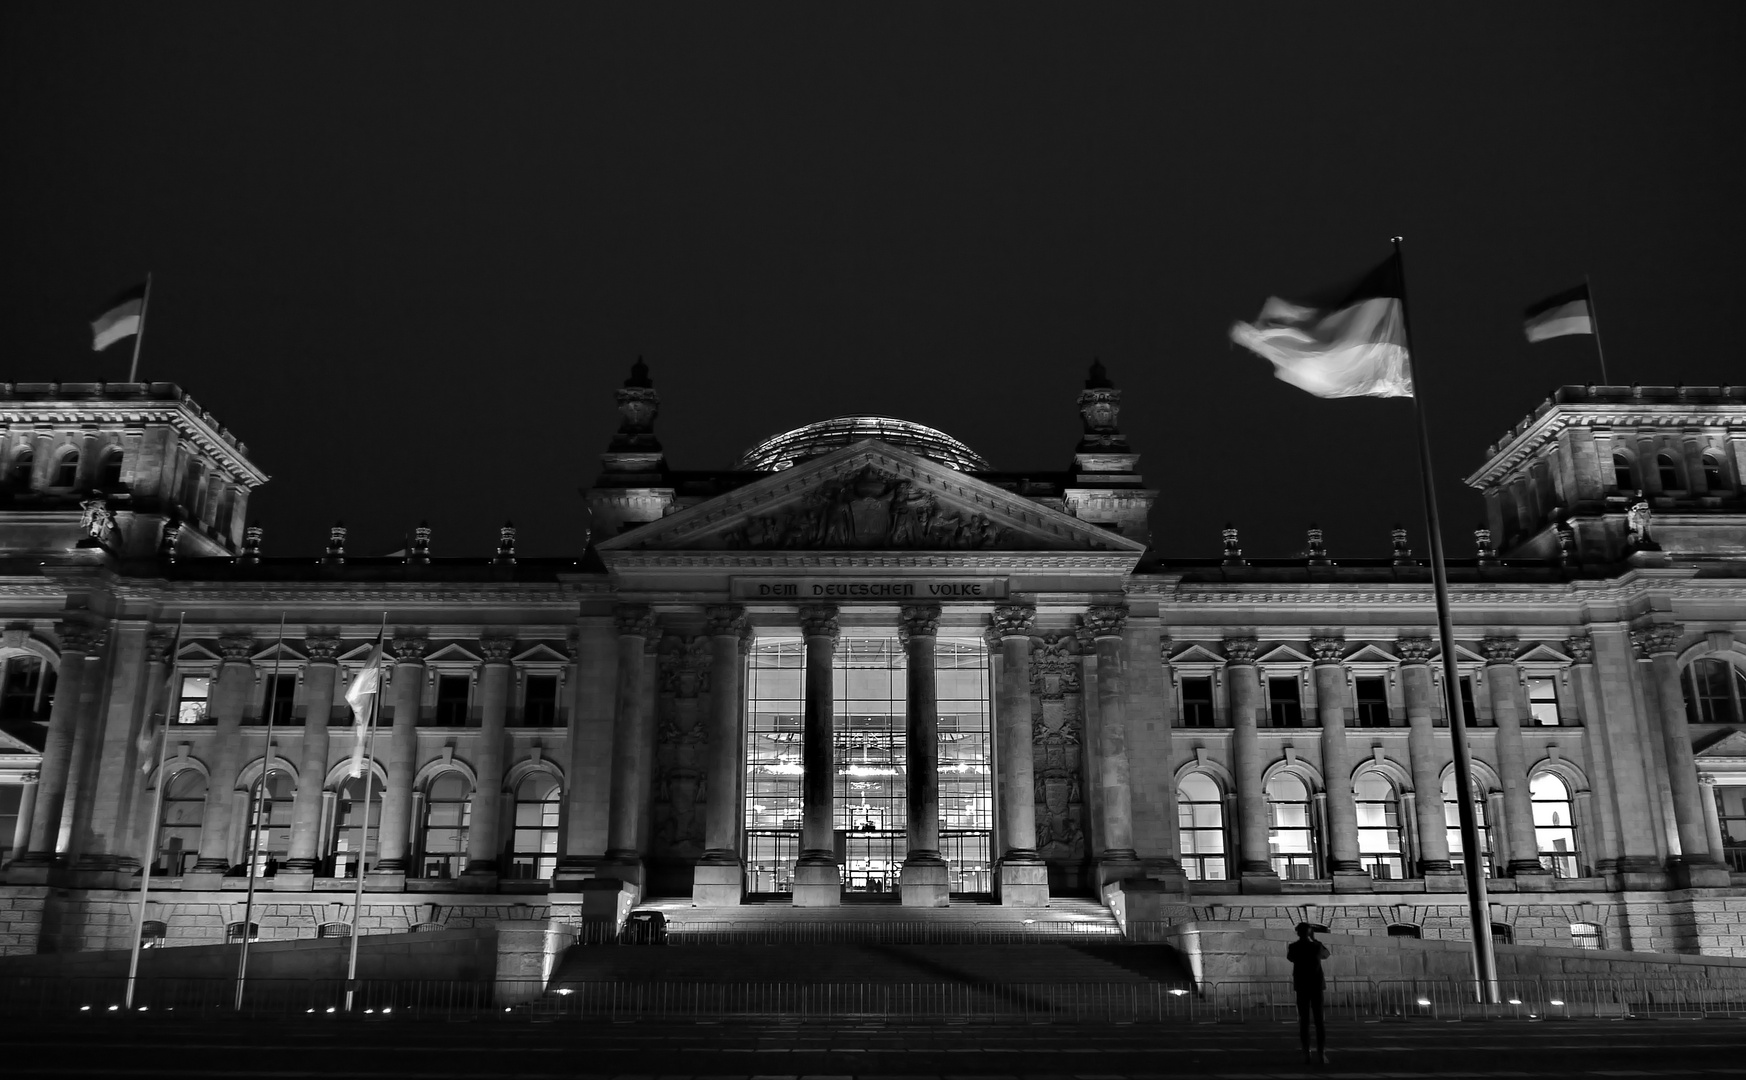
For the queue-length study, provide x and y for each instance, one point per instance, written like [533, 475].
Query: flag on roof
[366, 685]
[121, 318]
[1569, 312]
[1348, 343]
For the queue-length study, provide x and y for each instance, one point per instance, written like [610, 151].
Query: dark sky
[406, 251]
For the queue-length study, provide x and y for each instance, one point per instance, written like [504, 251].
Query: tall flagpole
[145, 304]
[151, 838]
[242, 960]
[364, 827]
[1594, 323]
[1478, 905]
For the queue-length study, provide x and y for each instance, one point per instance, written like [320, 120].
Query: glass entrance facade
[869, 759]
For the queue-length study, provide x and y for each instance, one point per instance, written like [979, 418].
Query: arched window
[179, 822]
[356, 832]
[1405, 930]
[1452, 820]
[1290, 834]
[67, 470]
[109, 470]
[1554, 826]
[269, 835]
[1714, 692]
[1503, 934]
[1200, 815]
[23, 464]
[26, 689]
[1623, 479]
[534, 851]
[1379, 847]
[1715, 480]
[1584, 935]
[448, 812]
[1668, 472]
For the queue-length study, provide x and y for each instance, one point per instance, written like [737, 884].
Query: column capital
[1657, 639]
[819, 620]
[1241, 651]
[410, 647]
[1013, 620]
[726, 620]
[634, 620]
[237, 646]
[1105, 620]
[496, 648]
[1500, 649]
[1581, 648]
[1327, 650]
[918, 620]
[1415, 650]
[321, 649]
[158, 646]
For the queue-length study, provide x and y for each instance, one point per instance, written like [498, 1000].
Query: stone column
[1425, 759]
[1603, 844]
[1503, 680]
[817, 879]
[925, 881]
[1331, 705]
[1243, 682]
[587, 815]
[719, 878]
[632, 752]
[1694, 867]
[485, 830]
[1713, 819]
[1024, 877]
[229, 700]
[26, 808]
[1604, 668]
[120, 715]
[77, 642]
[319, 679]
[396, 833]
[137, 805]
[1117, 859]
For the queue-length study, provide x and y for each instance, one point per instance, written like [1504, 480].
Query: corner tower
[1105, 486]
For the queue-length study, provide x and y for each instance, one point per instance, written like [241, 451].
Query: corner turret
[1107, 486]
[633, 487]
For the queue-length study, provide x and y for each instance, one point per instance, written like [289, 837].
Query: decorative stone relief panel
[679, 790]
[1057, 733]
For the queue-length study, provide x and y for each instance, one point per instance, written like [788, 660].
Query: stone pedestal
[527, 953]
[597, 906]
[1119, 866]
[202, 881]
[385, 881]
[1024, 884]
[817, 884]
[625, 868]
[924, 883]
[294, 881]
[1353, 881]
[573, 871]
[1260, 882]
[1445, 881]
[471, 880]
[1699, 875]
[720, 884]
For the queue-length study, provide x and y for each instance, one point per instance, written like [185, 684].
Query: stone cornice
[184, 416]
[968, 562]
[1529, 436]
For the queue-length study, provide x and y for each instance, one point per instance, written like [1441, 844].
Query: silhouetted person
[1306, 955]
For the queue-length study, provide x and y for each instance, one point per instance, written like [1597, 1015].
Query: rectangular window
[1731, 807]
[11, 799]
[1197, 702]
[23, 695]
[1371, 703]
[191, 699]
[1284, 704]
[451, 704]
[540, 702]
[1585, 935]
[1467, 709]
[1543, 700]
[280, 699]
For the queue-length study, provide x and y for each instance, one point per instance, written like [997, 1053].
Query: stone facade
[554, 738]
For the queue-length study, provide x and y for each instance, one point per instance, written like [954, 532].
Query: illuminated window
[356, 831]
[11, 799]
[1284, 704]
[1543, 700]
[1452, 824]
[1200, 815]
[179, 822]
[534, 847]
[1290, 832]
[1554, 826]
[1379, 846]
[1731, 809]
[191, 699]
[67, 470]
[775, 681]
[1197, 702]
[1714, 691]
[448, 812]
[1370, 703]
[1623, 479]
[233, 932]
[269, 831]
[1586, 936]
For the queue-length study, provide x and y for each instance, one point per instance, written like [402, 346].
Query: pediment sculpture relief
[870, 509]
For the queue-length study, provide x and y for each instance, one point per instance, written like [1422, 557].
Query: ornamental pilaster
[1327, 650]
[1415, 650]
[1105, 620]
[1580, 648]
[726, 620]
[1241, 651]
[1500, 649]
[322, 649]
[819, 620]
[918, 620]
[496, 648]
[1013, 620]
[410, 648]
[1657, 639]
[634, 620]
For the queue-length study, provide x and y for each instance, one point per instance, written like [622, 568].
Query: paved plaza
[327, 1048]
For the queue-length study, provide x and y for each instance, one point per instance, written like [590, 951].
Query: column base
[482, 880]
[294, 881]
[1353, 881]
[210, 866]
[573, 870]
[1529, 873]
[1699, 875]
[202, 881]
[817, 882]
[1259, 881]
[385, 881]
[1023, 883]
[718, 884]
[925, 882]
[1118, 864]
[22, 872]
[625, 866]
[1445, 881]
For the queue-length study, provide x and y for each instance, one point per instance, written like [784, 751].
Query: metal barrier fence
[706, 932]
[1227, 1002]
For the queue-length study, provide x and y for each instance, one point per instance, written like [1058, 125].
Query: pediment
[281, 652]
[1197, 654]
[193, 650]
[1283, 654]
[453, 654]
[541, 654]
[871, 497]
[1731, 745]
[1371, 654]
[1542, 654]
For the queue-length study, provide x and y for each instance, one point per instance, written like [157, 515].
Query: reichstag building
[862, 665]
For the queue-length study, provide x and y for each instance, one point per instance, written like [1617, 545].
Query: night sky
[406, 251]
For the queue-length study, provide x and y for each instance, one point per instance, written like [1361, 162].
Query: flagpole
[151, 839]
[1594, 322]
[242, 960]
[364, 828]
[1478, 904]
[145, 304]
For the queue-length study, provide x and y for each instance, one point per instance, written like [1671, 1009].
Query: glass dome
[792, 447]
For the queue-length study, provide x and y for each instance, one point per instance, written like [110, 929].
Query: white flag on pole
[1350, 346]
[365, 686]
